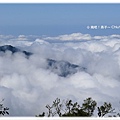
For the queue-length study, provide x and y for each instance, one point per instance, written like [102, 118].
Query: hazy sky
[52, 19]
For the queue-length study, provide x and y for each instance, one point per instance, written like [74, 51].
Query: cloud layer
[28, 86]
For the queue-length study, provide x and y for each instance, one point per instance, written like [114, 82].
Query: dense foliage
[69, 109]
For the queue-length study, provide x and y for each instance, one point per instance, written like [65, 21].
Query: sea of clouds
[27, 86]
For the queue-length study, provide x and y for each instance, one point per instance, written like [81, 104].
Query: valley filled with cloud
[71, 66]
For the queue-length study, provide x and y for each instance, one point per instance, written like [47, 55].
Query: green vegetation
[69, 109]
[66, 108]
[3, 110]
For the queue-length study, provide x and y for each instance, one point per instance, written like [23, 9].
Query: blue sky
[55, 19]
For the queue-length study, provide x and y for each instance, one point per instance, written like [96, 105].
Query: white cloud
[4, 37]
[73, 36]
[22, 37]
[80, 36]
[26, 82]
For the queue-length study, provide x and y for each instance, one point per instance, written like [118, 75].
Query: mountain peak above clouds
[5, 48]
[61, 68]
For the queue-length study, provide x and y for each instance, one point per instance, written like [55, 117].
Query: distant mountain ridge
[13, 50]
[61, 68]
